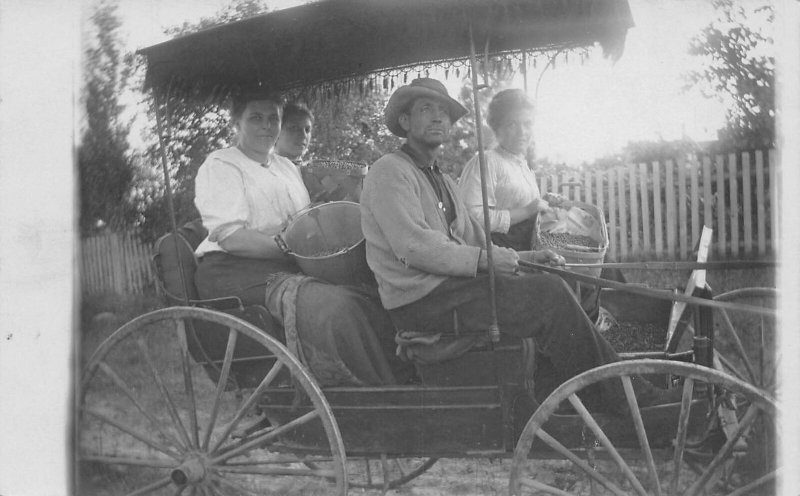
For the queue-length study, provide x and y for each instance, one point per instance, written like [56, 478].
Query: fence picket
[645, 203]
[661, 222]
[623, 214]
[612, 215]
[683, 229]
[747, 208]
[658, 219]
[720, 206]
[761, 218]
[708, 200]
[773, 202]
[587, 188]
[733, 189]
[695, 171]
[635, 236]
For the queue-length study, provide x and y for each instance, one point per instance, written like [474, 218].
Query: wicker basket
[581, 254]
[334, 180]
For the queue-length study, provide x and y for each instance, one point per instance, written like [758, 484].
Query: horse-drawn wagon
[203, 397]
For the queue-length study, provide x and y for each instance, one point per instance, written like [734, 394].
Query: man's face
[427, 123]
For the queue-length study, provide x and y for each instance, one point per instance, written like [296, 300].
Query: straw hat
[419, 88]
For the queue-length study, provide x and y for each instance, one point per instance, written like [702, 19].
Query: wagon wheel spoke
[248, 404]
[738, 346]
[638, 424]
[255, 470]
[723, 453]
[154, 369]
[747, 489]
[221, 383]
[590, 421]
[265, 438]
[152, 487]
[541, 486]
[188, 383]
[720, 445]
[124, 460]
[133, 433]
[746, 345]
[237, 488]
[126, 389]
[171, 408]
[579, 462]
[680, 438]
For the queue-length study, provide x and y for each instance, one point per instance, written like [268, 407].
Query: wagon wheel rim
[154, 419]
[384, 472]
[749, 353]
[615, 475]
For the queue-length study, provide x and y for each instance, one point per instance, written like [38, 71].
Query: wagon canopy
[343, 43]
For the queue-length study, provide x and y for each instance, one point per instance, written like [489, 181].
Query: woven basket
[587, 254]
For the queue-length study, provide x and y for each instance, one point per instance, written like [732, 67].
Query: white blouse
[510, 183]
[232, 191]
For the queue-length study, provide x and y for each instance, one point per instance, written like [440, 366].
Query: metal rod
[733, 264]
[168, 190]
[659, 294]
[494, 329]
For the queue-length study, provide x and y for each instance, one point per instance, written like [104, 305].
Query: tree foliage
[104, 167]
[736, 50]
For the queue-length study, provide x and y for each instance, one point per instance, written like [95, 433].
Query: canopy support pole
[168, 189]
[494, 329]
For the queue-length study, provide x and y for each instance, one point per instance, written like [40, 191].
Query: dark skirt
[347, 337]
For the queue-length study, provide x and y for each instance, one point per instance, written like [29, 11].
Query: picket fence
[657, 210]
[654, 211]
[116, 262]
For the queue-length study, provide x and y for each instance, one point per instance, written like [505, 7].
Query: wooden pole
[494, 329]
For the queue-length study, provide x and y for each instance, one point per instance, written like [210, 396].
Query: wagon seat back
[175, 265]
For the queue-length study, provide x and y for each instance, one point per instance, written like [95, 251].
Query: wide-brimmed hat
[419, 88]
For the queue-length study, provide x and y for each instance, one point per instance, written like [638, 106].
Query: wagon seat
[175, 264]
[450, 359]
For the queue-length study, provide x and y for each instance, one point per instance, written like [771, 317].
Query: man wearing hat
[429, 259]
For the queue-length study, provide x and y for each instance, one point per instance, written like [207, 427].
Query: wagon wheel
[613, 454]
[152, 422]
[384, 473]
[744, 342]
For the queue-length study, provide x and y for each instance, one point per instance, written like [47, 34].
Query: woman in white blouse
[246, 195]
[513, 194]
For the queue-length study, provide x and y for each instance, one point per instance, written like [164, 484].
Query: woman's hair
[503, 103]
[295, 109]
[240, 100]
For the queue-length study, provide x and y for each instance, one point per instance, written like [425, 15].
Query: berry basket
[576, 247]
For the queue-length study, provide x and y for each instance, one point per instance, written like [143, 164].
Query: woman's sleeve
[469, 185]
[220, 198]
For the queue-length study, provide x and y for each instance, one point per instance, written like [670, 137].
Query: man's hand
[548, 257]
[506, 261]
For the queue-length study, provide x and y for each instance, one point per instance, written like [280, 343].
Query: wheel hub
[191, 471]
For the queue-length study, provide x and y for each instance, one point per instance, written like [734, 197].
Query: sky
[583, 111]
